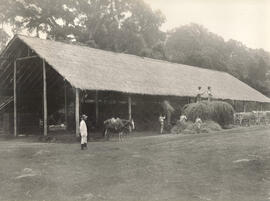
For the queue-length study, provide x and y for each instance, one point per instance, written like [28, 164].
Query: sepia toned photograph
[134, 100]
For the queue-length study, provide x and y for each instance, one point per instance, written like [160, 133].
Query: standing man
[83, 132]
[209, 93]
[198, 124]
[161, 121]
[199, 94]
[183, 118]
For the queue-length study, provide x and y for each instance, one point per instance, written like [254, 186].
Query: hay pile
[191, 128]
[217, 111]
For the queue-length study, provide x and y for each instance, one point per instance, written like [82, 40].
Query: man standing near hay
[209, 93]
[183, 118]
[161, 121]
[199, 94]
[83, 132]
[198, 124]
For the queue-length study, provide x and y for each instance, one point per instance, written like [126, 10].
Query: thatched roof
[94, 69]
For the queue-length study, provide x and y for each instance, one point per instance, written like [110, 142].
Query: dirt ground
[230, 165]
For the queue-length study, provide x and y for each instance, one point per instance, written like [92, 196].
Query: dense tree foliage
[3, 38]
[195, 45]
[131, 26]
[118, 25]
[3, 34]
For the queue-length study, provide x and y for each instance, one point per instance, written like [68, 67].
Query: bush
[218, 111]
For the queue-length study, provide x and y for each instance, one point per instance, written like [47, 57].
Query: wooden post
[15, 98]
[261, 107]
[45, 111]
[129, 108]
[97, 111]
[66, 109]
[77, 112]
[245, 104]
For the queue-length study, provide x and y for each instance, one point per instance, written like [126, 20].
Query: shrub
[218, 111]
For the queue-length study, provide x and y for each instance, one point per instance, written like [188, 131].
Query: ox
[244, 118]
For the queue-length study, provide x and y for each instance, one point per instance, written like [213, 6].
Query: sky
[247, 21]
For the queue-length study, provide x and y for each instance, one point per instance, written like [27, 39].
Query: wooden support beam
[77, 112]
[28, 57]
[245, 106]
[21, 69]
[97, 106]
[15, 98]
[261, 106]
[53, 80]
[129, 108]
[66, 109]
[233, 104]
[45, 112]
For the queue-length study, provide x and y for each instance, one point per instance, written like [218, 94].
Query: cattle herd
[252, 118]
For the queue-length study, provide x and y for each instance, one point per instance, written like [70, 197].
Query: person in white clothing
[161, 121]
[198, 124]
[183, 118]
[83, 132]
[199, 94]
[209, 93]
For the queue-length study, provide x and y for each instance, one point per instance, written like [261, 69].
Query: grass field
[230, 165]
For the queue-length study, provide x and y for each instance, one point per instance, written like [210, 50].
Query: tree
[195, 45]
[3, 38]
[117, 25]
[39, 16]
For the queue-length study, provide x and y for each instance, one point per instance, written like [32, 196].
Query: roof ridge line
[122, 53]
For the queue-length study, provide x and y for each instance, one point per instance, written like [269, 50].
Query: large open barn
[44, 82]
